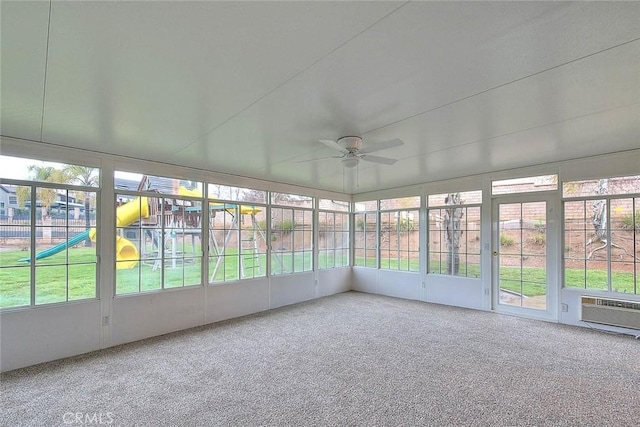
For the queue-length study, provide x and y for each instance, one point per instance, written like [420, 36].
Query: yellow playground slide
[244, 210]
[126, 252]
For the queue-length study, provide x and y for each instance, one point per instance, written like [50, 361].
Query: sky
[18, 168]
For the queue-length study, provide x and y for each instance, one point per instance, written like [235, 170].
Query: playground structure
[128, 253]
[249, 255]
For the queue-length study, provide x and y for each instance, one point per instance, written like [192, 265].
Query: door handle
[495, 253]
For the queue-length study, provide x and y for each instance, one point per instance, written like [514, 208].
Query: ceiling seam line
[500, 86]
[500, 171]
[582, 116]
[477, 140]
[46, 68]
[295, 75]
[206, 172]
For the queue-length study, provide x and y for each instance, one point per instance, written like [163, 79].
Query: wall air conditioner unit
[606, 311]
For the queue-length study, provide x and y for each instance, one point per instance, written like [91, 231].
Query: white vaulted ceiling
[249, 88]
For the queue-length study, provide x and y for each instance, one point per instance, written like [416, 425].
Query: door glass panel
[522, 251]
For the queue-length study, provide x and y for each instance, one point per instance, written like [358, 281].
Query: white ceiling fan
[353, 151]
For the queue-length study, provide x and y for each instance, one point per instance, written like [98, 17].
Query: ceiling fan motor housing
[350, 143]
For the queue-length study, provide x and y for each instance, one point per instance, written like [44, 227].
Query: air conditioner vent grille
[621, 304]
[613, 312]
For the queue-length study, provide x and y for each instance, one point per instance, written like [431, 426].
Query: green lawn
[51, 274]
[50, 277]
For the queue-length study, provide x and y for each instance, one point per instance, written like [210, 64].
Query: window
[296, 201]
[291, 240]
[602, 234]
[238, 233]
[370, 205]
[47, 250]
[365, 239]
[333, 239]
[291, 233]
[525, 185]
[253, 241]
[158, 235]
[334, 205]
[238, 242]
[236, 194]
[454, 234]
[400, 234]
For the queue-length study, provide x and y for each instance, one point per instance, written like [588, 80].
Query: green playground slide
[60, 247]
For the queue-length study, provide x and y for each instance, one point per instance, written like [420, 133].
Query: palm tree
[46, 196]
[87, 177]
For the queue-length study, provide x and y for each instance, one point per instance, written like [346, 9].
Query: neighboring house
[9, 203]
[125, 184]
[8, 199]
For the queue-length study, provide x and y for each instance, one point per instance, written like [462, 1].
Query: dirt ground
[534, 247]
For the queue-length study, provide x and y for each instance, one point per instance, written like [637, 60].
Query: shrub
[286, 226]
[505, 240]
[539, 239]
[540, 225]
[627, 221]
[407, 225]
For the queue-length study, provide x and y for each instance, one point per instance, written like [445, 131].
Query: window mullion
[32, 253]
[609, 243]
[398, 240]
[162, 250]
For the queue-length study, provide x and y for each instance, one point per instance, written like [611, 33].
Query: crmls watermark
[88, 418]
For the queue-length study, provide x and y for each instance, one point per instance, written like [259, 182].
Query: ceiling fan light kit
[350, 162]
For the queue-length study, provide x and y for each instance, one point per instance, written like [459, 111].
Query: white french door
[525, 258]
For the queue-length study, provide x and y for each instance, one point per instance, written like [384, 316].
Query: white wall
[229, 300]
[333, 281]
[47, 333]
[135, 317]
[452, 290]
[399, 284]
[434, 288]
[39, 334]
[477, 293]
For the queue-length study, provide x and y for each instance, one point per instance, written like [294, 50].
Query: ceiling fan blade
[332, 144]
[378, 159]
[381, 146]
[318, 158]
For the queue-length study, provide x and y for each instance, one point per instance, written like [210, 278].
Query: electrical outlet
[565, 308]
[105, 321]
[486, 292]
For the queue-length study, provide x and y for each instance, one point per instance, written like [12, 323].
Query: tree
[452, 219]
[46, 196]
[87, 177]
[599, 220]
